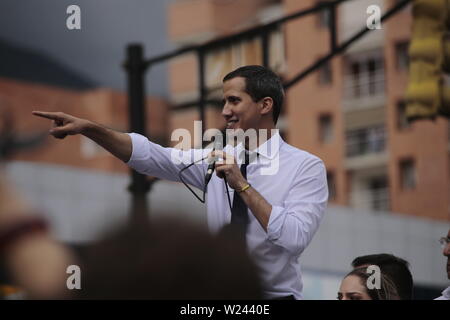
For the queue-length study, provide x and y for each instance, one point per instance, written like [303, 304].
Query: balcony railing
[373, 199]
[362, 89]
[365, 141]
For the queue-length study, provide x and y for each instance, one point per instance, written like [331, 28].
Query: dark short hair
[169, 258]
[261, 82]
[387, 290]
[396, 268]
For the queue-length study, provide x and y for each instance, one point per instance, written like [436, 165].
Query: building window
[371, 192]
[331, 186]
[326, 74]
[325, 128]
[365, 141]
[323, 16]
[407, 174]
[379, 193]
[372, 68]
[364, 75]
[247, 52]
[402, 120]
[355, 80]
[402, 55]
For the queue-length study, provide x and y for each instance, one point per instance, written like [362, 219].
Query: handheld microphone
[209, 172]
[218, 145]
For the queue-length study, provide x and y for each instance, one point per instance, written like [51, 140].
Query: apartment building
[102, 105]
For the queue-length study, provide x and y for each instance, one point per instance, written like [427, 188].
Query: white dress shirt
[291, 180]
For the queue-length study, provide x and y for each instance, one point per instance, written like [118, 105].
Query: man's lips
[231, 123]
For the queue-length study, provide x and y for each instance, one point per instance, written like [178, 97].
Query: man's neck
[267, 134]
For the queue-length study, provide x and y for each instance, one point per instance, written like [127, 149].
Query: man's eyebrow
[232, 98]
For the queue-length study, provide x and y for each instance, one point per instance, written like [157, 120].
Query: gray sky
[98, 49]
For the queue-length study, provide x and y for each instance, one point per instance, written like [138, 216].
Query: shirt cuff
[276, 222]
[137, 143]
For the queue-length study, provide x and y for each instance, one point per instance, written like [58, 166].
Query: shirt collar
[268, 149]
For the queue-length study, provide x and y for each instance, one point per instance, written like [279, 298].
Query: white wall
[81, 204]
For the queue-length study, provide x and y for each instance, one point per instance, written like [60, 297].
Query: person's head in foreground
[355, 286]
[445, 242]
[397, 269]
[168, 259]
[252, 96]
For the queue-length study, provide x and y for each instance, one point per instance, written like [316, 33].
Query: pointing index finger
[47, 115]
[218, 153]
[225, 157]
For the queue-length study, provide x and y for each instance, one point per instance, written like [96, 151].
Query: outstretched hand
[63, 124]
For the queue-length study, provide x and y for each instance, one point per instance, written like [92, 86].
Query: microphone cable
[205, 186]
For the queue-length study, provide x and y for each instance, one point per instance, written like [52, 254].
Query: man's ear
[266, 105]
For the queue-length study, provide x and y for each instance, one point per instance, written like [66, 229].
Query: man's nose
[226, 110]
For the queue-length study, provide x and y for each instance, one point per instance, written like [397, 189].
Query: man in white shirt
[445, 241]
[282, 191]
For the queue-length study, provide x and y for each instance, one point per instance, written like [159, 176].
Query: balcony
[365, 141]
[366, 147]
[364, 90]
[372, 199]
[364, 80]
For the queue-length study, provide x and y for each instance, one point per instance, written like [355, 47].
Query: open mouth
[231, 123]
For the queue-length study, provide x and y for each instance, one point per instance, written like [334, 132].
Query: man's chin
[235, 130]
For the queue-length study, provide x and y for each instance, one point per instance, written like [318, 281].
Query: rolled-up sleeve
[165, 163]
[293, 224]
